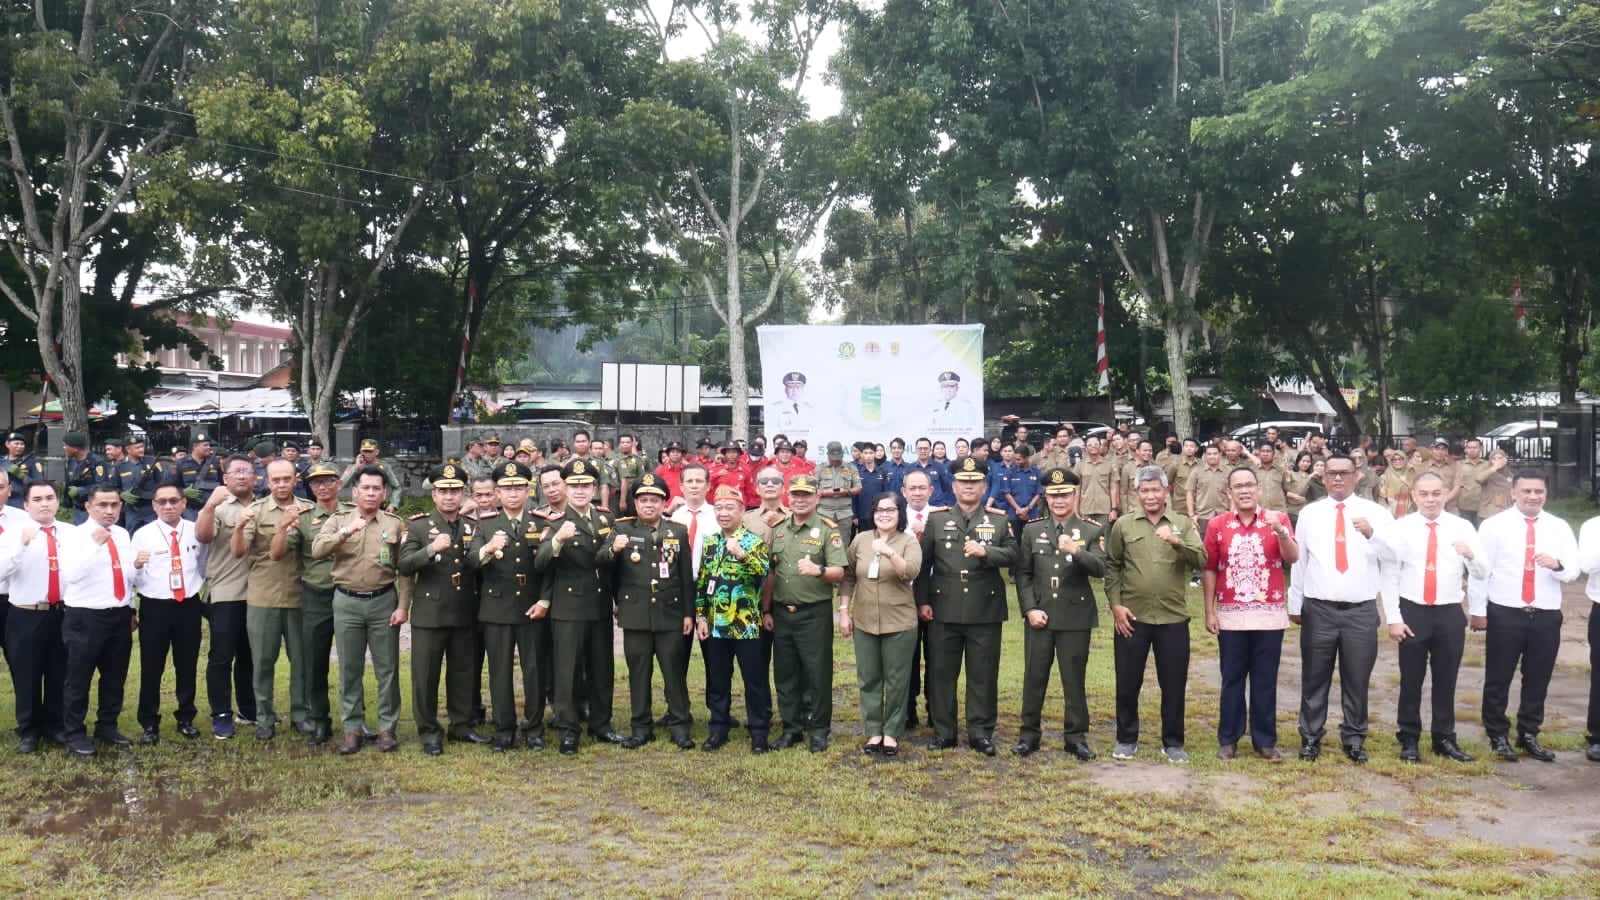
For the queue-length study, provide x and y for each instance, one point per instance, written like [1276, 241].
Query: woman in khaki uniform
[1496, 480]
[1297, 485]
[1397, 485]
[877, 606]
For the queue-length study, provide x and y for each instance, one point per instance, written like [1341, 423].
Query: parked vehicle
[1292, 431]
[1526, 439]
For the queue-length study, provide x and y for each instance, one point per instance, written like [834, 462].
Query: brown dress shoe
[387, 742]
[350, 744]
[1228, 751]
[1270, 754]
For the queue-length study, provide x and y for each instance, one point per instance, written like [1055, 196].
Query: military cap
[511, 474]
[449, 475]
[674, 445]
[264, 449]
[793, 378]
[289, 445]
[578, 471]
[1060, 481]
[649, 484]
[803, 484]
[15, 436]
[970, 468]
[527, 446]
[135, 440]
[369, 444]
[836, 449]
[314, 442]
[200, 437]
[321, 470]
[75, 439]
[949, 378]
[116, 442]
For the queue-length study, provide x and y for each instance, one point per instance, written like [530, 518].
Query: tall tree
[87, 114]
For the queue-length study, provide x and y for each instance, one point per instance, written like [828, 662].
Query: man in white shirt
[169, 570]
[97, 627]
[1589, 562]
[917, 487]
[1530, 555]
[11, 516]
[700, 518]
[1333, 593]
[1424, 558]
[30, 561]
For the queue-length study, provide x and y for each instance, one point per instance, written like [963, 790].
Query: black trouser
[453, 651]
[38, 669]
[978, 646]
[1249, 656]
[1439, 634]
[228, 669]
[1069, 652]
[316, 630]
[1529, 636]
[583, 647]
[643, 650]
[97, 640]
[1594, 674]
[1346, 635]
[1129, 655]
[165, 624]
[5, 607]
[504, 646]
[720, 654]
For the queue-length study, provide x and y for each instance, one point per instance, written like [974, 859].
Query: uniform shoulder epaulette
[413, 518]
[828, 522]
[620, 519]
[1036, 519]
[1093, 521]
[934, 509]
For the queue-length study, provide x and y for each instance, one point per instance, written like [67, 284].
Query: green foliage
[1461, 365]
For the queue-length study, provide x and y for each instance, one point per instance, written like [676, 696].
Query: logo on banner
[894, 348]
[871, 348]
[847, 350]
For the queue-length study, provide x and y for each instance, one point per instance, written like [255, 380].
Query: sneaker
[1124, 751]
[222, 726]
[242, 719]
[1176, 755]
[1592, 753]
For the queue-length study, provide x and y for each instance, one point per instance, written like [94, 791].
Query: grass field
[213, 817]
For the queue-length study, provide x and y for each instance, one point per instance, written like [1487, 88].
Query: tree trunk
[1178, 369]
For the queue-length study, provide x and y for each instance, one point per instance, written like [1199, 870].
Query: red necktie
[117, 587]
[1527, 566]
[177, 568]
[1341, 558]
[53, 592]
[916, 527]
[694, 532]
[1430, 578]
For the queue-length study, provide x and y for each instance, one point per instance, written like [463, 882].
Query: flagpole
[1100, 356]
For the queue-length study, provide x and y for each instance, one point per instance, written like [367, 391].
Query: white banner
[852, 383]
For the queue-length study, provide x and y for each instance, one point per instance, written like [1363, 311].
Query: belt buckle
[791, 607]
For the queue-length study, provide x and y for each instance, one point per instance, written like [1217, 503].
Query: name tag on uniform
[662, 570]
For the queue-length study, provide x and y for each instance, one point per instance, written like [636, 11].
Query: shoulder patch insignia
[413, 518]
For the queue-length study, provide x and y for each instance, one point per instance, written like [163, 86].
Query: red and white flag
[1522, 311]
[1100, 343]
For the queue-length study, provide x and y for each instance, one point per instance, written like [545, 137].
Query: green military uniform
[802, 619]
[444, 615]
[968, 597]
[577, 592]
[316, 612]
[841, 508]
[1057, 584]
[628, 469]
[508, 590]
[389, 476]
[655, 603]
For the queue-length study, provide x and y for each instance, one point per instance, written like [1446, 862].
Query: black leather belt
[366, 595]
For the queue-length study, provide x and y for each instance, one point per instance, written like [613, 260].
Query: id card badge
[175, 581]
[662, 569]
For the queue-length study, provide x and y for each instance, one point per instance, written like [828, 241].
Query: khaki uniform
[1210, 489]
[840, 509]
[1096, 479]
[367, 591]
[272, 615]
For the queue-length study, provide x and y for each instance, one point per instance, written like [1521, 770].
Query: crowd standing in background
[532, 556]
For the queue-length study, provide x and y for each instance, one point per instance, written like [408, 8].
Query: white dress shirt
[11, 520]
[88, 575]
[917, 519]
[1504, 537]
[1589, 556]
[1316, 574]
[1402, 549]
[706, 525]
[156, 577]
[27, 568]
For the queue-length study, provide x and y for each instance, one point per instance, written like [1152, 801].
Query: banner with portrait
[852, 383]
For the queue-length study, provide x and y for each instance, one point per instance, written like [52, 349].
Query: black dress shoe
[714, 741]
[1530, 745]
[79, 746]
[432, 746]
[983, 745]
[890, 751]
[818, 744]
[1356, 753]
[304, 728]
[1081, 750]
[319, 735]
[759, 745]
[467, 737]
[662, 722]
[1449, 749]
[682, 742]
[534, 739]
[1310, 750]
[1592, 752]
[1024, 748]
[787, 739]
[1228, 751]
[151, 736]
[112, 738]
[635, 741]
[872, 747]
[188, 730]
[28, 744]
[569, 746]
[608, 736]
[1409, 752]
[500, 743]
[942, 744]
[265, 732]
[1502, 748]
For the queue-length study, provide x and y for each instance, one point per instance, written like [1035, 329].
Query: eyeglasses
[887, 510]
[769, 481]
[165, 501]
[1339, 473]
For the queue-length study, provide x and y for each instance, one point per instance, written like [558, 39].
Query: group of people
[525, 567]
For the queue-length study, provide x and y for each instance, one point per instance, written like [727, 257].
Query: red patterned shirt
[1250, 594]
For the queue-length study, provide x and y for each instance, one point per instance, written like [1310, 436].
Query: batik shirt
[728, 592]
